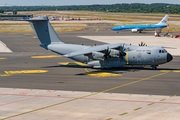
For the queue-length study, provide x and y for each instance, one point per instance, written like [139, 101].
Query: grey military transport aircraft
[101, 56]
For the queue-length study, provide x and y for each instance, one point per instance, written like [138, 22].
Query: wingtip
[67, 55]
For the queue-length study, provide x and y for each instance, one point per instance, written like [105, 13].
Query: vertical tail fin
[164, 20]
[44, 30]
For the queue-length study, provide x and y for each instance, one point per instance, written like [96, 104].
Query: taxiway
[39, 84]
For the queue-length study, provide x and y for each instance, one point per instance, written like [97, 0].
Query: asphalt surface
[72, 77]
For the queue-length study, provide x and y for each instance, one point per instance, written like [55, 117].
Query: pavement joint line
[83, 96]
[162, 99]
[2, 95]
[17, 101]
[141, 107]
[137, 108]
[123, 114]
[88, 98]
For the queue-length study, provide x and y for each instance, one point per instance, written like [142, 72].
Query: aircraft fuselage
[138, 27]
[135, 56]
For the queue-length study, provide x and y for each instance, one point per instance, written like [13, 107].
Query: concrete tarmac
[31, 67]
[72, 76]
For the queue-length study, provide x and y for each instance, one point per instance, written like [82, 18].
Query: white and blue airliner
[138, 28]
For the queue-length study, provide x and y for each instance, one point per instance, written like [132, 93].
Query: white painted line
[4, 48]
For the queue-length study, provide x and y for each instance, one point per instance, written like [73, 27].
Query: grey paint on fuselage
[145, 55]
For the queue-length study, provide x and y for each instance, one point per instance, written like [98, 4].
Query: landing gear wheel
[154, 68]
[117, 32]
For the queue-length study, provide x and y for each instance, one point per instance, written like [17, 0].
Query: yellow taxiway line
[51, 56]
[25, 71]
[10, 73]
[101, 74]
[84, 96]
[2, 58]
[71, 63]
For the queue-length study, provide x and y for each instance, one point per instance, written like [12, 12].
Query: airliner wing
[141, 29]
[98, 48]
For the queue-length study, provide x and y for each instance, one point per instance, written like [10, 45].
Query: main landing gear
[154, 67]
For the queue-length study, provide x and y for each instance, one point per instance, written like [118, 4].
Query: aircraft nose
[169, 57]
[114, 28]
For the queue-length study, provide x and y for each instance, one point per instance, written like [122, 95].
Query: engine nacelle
[134, 30]
[114, 53]
[101, 56]
[95, 56]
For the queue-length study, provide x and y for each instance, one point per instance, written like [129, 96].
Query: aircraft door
[139, 58]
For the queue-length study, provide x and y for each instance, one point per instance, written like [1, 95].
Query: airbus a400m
[101, 56]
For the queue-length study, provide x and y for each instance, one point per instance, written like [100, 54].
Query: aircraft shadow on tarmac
[70, 66]
[112, 71]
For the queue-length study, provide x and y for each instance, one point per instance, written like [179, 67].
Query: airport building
[15, 17]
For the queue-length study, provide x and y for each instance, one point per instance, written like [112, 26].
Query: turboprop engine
[134, 30]
[107, 54]
[95, 56]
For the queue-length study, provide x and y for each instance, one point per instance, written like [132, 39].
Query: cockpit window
[162, 51]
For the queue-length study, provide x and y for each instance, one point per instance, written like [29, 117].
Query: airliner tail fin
[164, 20]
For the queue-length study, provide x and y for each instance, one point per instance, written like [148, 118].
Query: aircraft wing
[140, 29]
[98, 48]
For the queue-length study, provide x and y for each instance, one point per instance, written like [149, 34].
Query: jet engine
[134, 30]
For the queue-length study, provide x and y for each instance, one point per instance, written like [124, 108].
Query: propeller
[142, 44]
[122, 53]
[107, 55]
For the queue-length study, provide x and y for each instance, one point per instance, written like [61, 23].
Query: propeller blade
[142, 44]
[122, 54]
